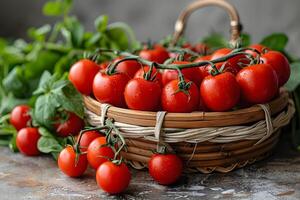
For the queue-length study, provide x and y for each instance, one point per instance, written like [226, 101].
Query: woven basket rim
[197, 119]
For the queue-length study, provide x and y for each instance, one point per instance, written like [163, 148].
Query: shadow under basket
[206, 141]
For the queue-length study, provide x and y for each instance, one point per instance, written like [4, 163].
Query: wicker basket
[206, 141]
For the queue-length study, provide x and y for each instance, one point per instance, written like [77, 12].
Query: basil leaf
[101, 23]
[276, 41]
[215, 41]
[49, 145]
[57, 7]
[39, 34]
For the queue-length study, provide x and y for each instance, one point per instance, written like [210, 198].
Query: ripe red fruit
[20, 117]
[27, 140]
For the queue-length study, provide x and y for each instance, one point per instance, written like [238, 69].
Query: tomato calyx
[148, 76]
[182, 53]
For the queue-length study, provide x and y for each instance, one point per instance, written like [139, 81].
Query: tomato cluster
[235, 80]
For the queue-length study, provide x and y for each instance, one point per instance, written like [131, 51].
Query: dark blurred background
[155, 18]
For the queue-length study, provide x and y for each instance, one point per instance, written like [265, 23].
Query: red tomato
[98, 153]
[128, 67]
[87, 138]
[221, 92]
[110, 88]
[141, 94]
[258, 83]
[72, 126]
[19, 117]
[157, 54]
[165, 168]
[27, 139]
[258, 47]
[192, 74]
[104, 65]
[280, 64]
[203, 69]
[174, 100]
[82, 75]
[68, 163]
[232, 64]
[113, 178]
[200, 48]
[140, 74]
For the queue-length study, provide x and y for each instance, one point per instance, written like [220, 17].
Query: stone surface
[278, 177]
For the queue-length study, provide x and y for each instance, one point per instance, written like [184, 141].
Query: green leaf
[276, 41]
[39, 34]
[246, 39]
[49, 145]
[44, 81]
[101, 23]
[57, 7]
[294, 80]
[73, 32]
[215, 41]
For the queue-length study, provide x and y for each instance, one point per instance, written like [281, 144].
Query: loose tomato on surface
[128, 67]
[280, 64]
[98, 153]
[72, 126]
[69, 164]
[258, 83]
[110, 88]
[87, 138]
[166, 169]
[173, 98]
[82, 75]
[157, 54]
[141, 94]
[192, 74]
[113, 178]
[220, 92]
[154, 74]
[19, 117]
[27, 140]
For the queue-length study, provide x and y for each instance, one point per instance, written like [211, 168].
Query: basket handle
[235, 25]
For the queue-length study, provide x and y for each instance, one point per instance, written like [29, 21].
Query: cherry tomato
[110, 88]
[82, 75]
[174, 100]
[260, 48]
[72, 126]
[140, 74]
[258, 83]
[200, 48]
[87, 138]
[27, 139]
[166, 169]
[141, 94]
[192, 74]
[128, 67]
[221, 92]
[280, 64]
[203, 69]
[113, 178]
[68, 163]
[98, 153]
[20, 117]
[157, 54]
[232, 64]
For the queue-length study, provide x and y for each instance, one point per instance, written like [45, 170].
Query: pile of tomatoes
[235, 82]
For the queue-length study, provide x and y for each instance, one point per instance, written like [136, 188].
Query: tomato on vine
[71, 126]
[258, 83]
[166, 169]
[220, 92]
[98, 152]
[192, 74]
[128, 67]
[181, 97]
[19, 117]
[156, 54]
[110, 88]
[86, 139]
[113, 178]
[155, 75]
[141, 94]
[258, 47]
[71, 164]
[82, 74]
[27, 141]
[280, 64]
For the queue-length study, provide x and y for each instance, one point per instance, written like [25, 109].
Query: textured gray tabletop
[38, 178]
